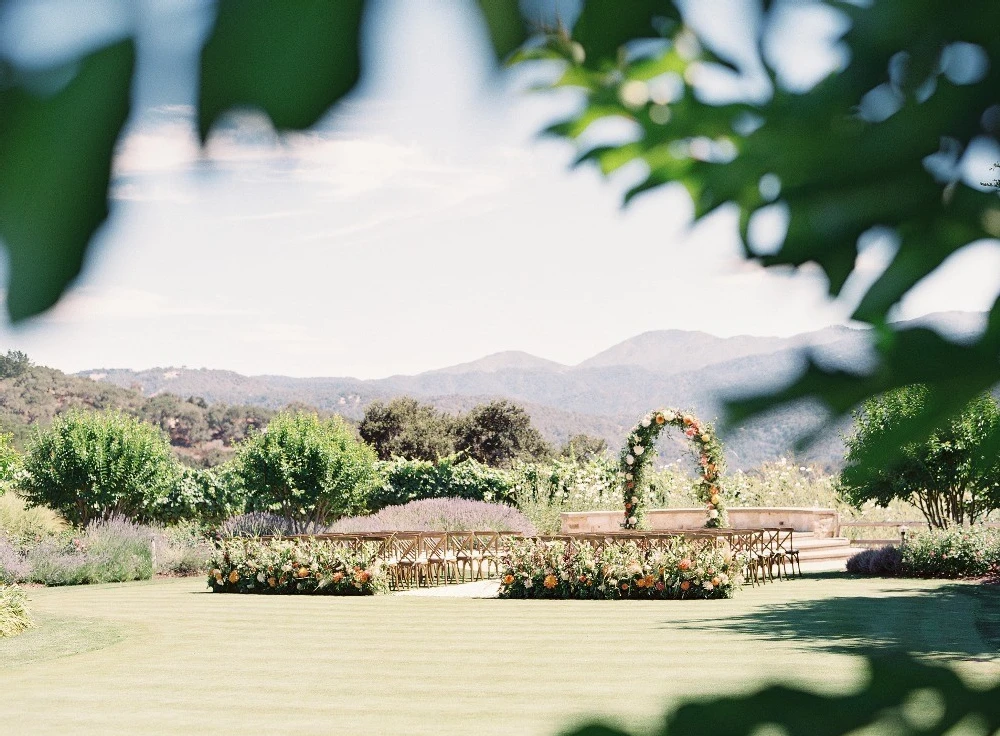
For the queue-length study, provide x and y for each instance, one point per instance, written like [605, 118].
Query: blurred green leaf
[605, 25]
[55, 167]
[873, 146]
[505, 25]
[293, 59]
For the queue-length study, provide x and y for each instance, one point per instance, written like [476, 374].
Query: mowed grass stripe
[197, 662]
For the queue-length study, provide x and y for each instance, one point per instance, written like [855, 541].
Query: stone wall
[822, 522]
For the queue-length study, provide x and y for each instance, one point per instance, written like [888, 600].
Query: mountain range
[602, 396]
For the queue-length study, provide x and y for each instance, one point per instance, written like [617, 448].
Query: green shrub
[91, 465]
[951, 553]
[305, 469]
[945, 553]
[108, 551]
[14, 615]
[295, 566]
[680, 570]
[450, 477]
[208, 495]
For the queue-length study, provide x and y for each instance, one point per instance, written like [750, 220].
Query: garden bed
[295, 566]
[679, 569]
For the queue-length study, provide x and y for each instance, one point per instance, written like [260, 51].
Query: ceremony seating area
[420, 558]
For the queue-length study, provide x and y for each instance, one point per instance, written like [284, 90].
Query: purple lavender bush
[111, 550]
[440, 515]
[256, 524]
[13, 567]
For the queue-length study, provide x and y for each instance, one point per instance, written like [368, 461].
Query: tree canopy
[950, 476]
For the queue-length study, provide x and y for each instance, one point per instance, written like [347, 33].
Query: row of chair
[424, 558]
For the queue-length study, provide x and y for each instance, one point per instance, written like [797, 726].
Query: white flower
[713, 514]
[669, 416]
[628, 476]
[564, 576]
[707, 585]
[261, 577]
[634, 568]
[635, 499]
[632, 520]
[528, 583]
[629, 459]
[638, 449]
[646, 422]
[723, 578]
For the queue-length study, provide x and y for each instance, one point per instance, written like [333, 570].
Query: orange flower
[508, 579]
[649, 581]
[583, 579]
[550, 581]
[272, 582]
[688, 420]
[660, 419]
[624, 586]
[234, 577]
[640, 583]
[628, 507]
[684, 564]
[685, 585]
[338, 576]
[303, 572]
[363, 577]
[716, 582]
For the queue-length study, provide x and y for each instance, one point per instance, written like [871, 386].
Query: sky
[423, 223]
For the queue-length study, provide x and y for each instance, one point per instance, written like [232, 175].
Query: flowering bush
[682, 569]
[295, 566]
[636, 458]
[542, 491]
[107, 551]
[949, 553]
[440, 515]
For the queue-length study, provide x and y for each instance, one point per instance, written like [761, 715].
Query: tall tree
[408, 429]
[498, 433]
[952, 476]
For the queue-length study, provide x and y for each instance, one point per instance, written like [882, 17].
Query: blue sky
[421, 224]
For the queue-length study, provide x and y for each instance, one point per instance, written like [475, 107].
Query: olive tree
[94, 465]
[307, 469]
[951, 476]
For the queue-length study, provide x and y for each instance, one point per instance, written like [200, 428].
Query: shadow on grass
[959, 619]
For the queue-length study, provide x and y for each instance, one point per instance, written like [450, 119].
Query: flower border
[636, 457]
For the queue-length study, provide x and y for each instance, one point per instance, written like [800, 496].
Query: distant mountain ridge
[603, 395]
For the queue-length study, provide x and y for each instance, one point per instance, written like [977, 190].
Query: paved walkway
[477, 589]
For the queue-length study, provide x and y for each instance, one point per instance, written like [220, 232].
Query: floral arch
[637, 456]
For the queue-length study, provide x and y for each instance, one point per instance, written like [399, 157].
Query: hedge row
[953, 553]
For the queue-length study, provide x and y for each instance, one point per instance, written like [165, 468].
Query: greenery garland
[637, 455]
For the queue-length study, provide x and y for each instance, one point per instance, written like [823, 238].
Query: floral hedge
[952, 553]
[637, 457]
[294, 566]
[682, 570]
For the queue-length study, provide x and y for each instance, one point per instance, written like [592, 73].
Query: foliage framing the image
[952, 476]
[872, 148]
[638, 453]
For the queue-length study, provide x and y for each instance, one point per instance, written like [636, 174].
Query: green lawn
[167, 656]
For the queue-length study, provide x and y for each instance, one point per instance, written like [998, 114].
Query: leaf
[605, 25]
[293, 59]
[505, 25]
[55, 168]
